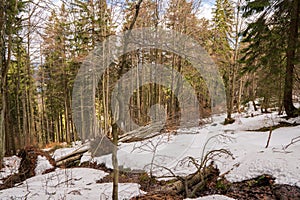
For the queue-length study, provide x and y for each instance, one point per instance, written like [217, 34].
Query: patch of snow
[212, 197]
[86, 157]
[47, 149]
[74, 183]
[163, 150]
[42, 165]
[294, 120]
[126, 190]
[253, 123]
[250, 107]
[11, 166]
[76, 143]
[253, 159]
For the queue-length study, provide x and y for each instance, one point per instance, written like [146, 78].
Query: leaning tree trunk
[290, 56]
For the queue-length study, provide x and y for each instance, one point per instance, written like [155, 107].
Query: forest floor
[250, 172]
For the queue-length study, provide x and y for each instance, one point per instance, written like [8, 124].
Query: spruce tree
[274, 39]
[223, 21]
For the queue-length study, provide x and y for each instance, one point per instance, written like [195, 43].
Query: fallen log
[202, 180]
[67, 161]
[141, 133]
[73, 156]
[191, 185]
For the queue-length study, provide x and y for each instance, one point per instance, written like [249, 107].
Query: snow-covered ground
[212, 197]
[75, 183]
[11, 166]
[251, 159]
[42, 165]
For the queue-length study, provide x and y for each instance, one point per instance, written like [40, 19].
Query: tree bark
[115, 162]
[290, 56]
[2, 64]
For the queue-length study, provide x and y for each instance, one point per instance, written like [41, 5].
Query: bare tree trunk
[280, 97]
[238, 103]
[139, 90]
[2, 127]
[19, 129]
[25, 124]
[234, 65]
[67, 122]
[290, 56]
[43, 131]
[83, 125]
[120, 103]
[2, 62]
[115, 163]
[5, 56]
[30, 112]
[252, 92]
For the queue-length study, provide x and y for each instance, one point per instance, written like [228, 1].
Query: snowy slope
[248, 148]
[251, 159]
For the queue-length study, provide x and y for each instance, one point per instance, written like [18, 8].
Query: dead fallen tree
[260, 187]
[74, 156]
[190, 186]
[152, 130]
[206, 174]
[143, 132]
